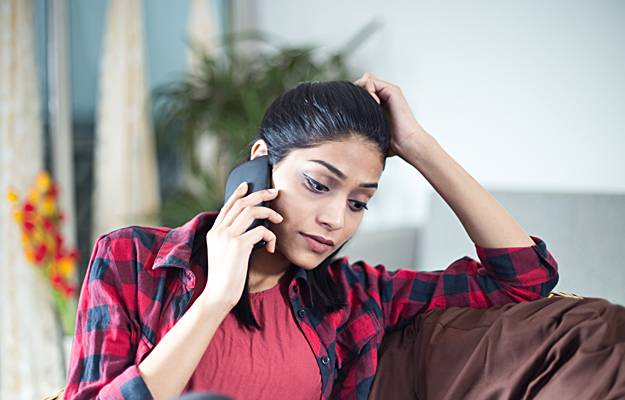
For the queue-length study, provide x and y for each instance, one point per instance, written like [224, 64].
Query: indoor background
[528, 96]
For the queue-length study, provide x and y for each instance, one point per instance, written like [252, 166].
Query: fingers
[238, 201]
[261, 233]
[250, 201]
[237, 194]
[377, 88]
[367, 83]
[249, 214]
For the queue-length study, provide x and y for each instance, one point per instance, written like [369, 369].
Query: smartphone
[257, 174]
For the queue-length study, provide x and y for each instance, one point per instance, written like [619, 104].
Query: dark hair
[312, 114]
[318, 112]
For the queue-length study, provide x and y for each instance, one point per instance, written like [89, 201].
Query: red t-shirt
[274, 363]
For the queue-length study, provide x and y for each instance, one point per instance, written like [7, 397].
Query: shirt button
[325, 360]
[301, 313]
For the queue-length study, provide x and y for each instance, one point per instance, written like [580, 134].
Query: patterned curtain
[126, 178]
[31, 365]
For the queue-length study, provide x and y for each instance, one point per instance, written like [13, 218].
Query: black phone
[257, 174]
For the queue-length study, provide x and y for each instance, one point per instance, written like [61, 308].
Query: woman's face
[323, 194]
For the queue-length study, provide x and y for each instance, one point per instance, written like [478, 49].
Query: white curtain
[203, 38]
[202, 32]
[31, 364]
[126, 178]
[60, 118]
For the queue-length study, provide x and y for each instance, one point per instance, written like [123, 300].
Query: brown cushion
[546, 349]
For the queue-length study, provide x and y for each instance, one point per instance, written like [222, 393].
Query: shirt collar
[300, 277]
[300, 273]
[176, 249]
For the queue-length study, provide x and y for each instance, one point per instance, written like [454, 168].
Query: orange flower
[12, 196]
[39, 218]
[43, 180]
[33, 196]
[48, 206]
[66, 266]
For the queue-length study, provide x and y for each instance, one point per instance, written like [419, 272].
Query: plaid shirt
[139, 284]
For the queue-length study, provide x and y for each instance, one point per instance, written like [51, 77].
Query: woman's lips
[318, 243]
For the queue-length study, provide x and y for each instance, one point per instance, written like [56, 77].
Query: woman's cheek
[290, 204]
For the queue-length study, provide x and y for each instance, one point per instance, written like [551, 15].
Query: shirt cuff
[531, 265]
[127, 386]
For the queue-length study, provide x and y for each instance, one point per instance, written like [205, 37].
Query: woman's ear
[259, 149]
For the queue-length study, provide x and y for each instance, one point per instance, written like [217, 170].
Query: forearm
[167, 369]
[484, 219]
[487, 223]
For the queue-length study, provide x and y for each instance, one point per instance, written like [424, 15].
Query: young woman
[168, 311]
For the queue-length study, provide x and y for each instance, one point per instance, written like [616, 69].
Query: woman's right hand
[229, 246]
[167, 368]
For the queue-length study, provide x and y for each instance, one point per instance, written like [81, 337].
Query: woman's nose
[332, 216]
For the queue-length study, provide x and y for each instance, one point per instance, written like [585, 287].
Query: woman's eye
[315, 186]
[359, 205]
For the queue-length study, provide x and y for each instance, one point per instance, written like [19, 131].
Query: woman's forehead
[351, 157]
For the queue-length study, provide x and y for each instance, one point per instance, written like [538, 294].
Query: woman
[163, 312]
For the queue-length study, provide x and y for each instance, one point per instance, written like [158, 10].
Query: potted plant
[209, 119]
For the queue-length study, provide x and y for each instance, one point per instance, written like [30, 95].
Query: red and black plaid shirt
[139, 283]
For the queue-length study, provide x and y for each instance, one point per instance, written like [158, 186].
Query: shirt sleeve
[501, 276]
[102, 361]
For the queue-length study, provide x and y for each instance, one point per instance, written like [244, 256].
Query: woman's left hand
[485, 220]
[406, 132]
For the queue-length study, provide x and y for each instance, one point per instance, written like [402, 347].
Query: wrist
[418, 149]
[214, 307]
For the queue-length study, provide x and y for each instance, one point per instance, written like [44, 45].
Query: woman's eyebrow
[341, 175]
[332, 168]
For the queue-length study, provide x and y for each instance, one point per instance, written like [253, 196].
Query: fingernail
[281, 217]
[273, 190]
[242, 184]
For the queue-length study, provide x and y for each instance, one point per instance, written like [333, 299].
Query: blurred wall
[584, 232]
[527, 96]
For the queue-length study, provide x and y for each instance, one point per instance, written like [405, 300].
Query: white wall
[584, 232]
[527, 96]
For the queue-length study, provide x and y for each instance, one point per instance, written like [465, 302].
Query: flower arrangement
[40, 218]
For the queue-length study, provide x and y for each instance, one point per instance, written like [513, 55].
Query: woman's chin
[309, 261]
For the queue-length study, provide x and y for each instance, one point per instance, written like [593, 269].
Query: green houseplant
[210, 118]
